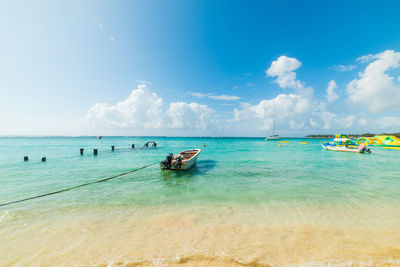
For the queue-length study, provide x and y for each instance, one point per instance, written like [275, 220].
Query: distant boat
[273, 136]
[182, 161]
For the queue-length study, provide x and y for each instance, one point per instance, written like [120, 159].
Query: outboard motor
[166, 164]
[362, 148]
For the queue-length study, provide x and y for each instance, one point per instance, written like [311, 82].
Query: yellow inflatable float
[384, 141]
[392, 147]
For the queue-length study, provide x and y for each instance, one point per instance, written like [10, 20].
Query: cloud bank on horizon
[367, 101]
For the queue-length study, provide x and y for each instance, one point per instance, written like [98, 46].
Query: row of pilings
[81, 150]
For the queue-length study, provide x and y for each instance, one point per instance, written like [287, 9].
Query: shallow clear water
[246, 202]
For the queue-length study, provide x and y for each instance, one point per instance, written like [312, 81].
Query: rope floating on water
[77, 186]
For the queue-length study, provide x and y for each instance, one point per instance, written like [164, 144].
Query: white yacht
[273, 136]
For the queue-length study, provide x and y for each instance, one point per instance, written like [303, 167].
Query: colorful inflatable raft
[383, 141]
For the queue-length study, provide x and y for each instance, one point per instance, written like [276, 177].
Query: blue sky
[198, 67]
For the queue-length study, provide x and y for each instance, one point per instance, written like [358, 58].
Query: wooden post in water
[133, 145]
[81, 150]
[95, 151]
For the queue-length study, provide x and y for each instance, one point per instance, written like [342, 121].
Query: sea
[247, 202]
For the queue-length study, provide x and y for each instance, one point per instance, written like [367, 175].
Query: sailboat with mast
[273, 136]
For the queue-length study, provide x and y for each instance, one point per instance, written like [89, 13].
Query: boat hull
[272, 138]
[187, 163]
[341, 149]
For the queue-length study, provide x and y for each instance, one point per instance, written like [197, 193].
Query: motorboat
[342, 143]
[182, 161]
[344, 148]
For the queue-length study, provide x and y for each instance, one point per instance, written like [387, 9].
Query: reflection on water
[179, 178]
[205, 165]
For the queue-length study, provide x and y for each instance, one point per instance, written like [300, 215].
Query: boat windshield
[343, 141]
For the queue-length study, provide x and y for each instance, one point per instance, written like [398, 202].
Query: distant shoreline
[311, 136]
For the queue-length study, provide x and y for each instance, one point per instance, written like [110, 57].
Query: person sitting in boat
[178, 160]
[178, 156]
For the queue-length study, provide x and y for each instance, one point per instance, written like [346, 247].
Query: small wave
[202, 260]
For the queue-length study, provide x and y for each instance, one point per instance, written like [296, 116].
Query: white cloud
[347, 122]
[144, 113]
[224, 97]
[199, 95]
[375, 89]
[298, 111]
[377, 124]
[261, 116]
[283, 69]
[291, 112]
[328, 119]
[331, 121]
[366, 58]
[189, 116]
[296, 125]
[216, 97]
[344, 68]
[331, 95]
[388, 122]
[143, 109]
[362, 122]
[313, 123]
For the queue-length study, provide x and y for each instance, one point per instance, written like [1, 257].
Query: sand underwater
[247, 203]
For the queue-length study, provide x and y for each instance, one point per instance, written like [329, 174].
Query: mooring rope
[77, 186]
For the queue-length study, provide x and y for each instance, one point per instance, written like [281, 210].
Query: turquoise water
[229, 169]
[242, 180]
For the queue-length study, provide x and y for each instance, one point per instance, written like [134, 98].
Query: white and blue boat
[182, 161]
[342, 143]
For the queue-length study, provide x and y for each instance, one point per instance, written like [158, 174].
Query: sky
[199, 68]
